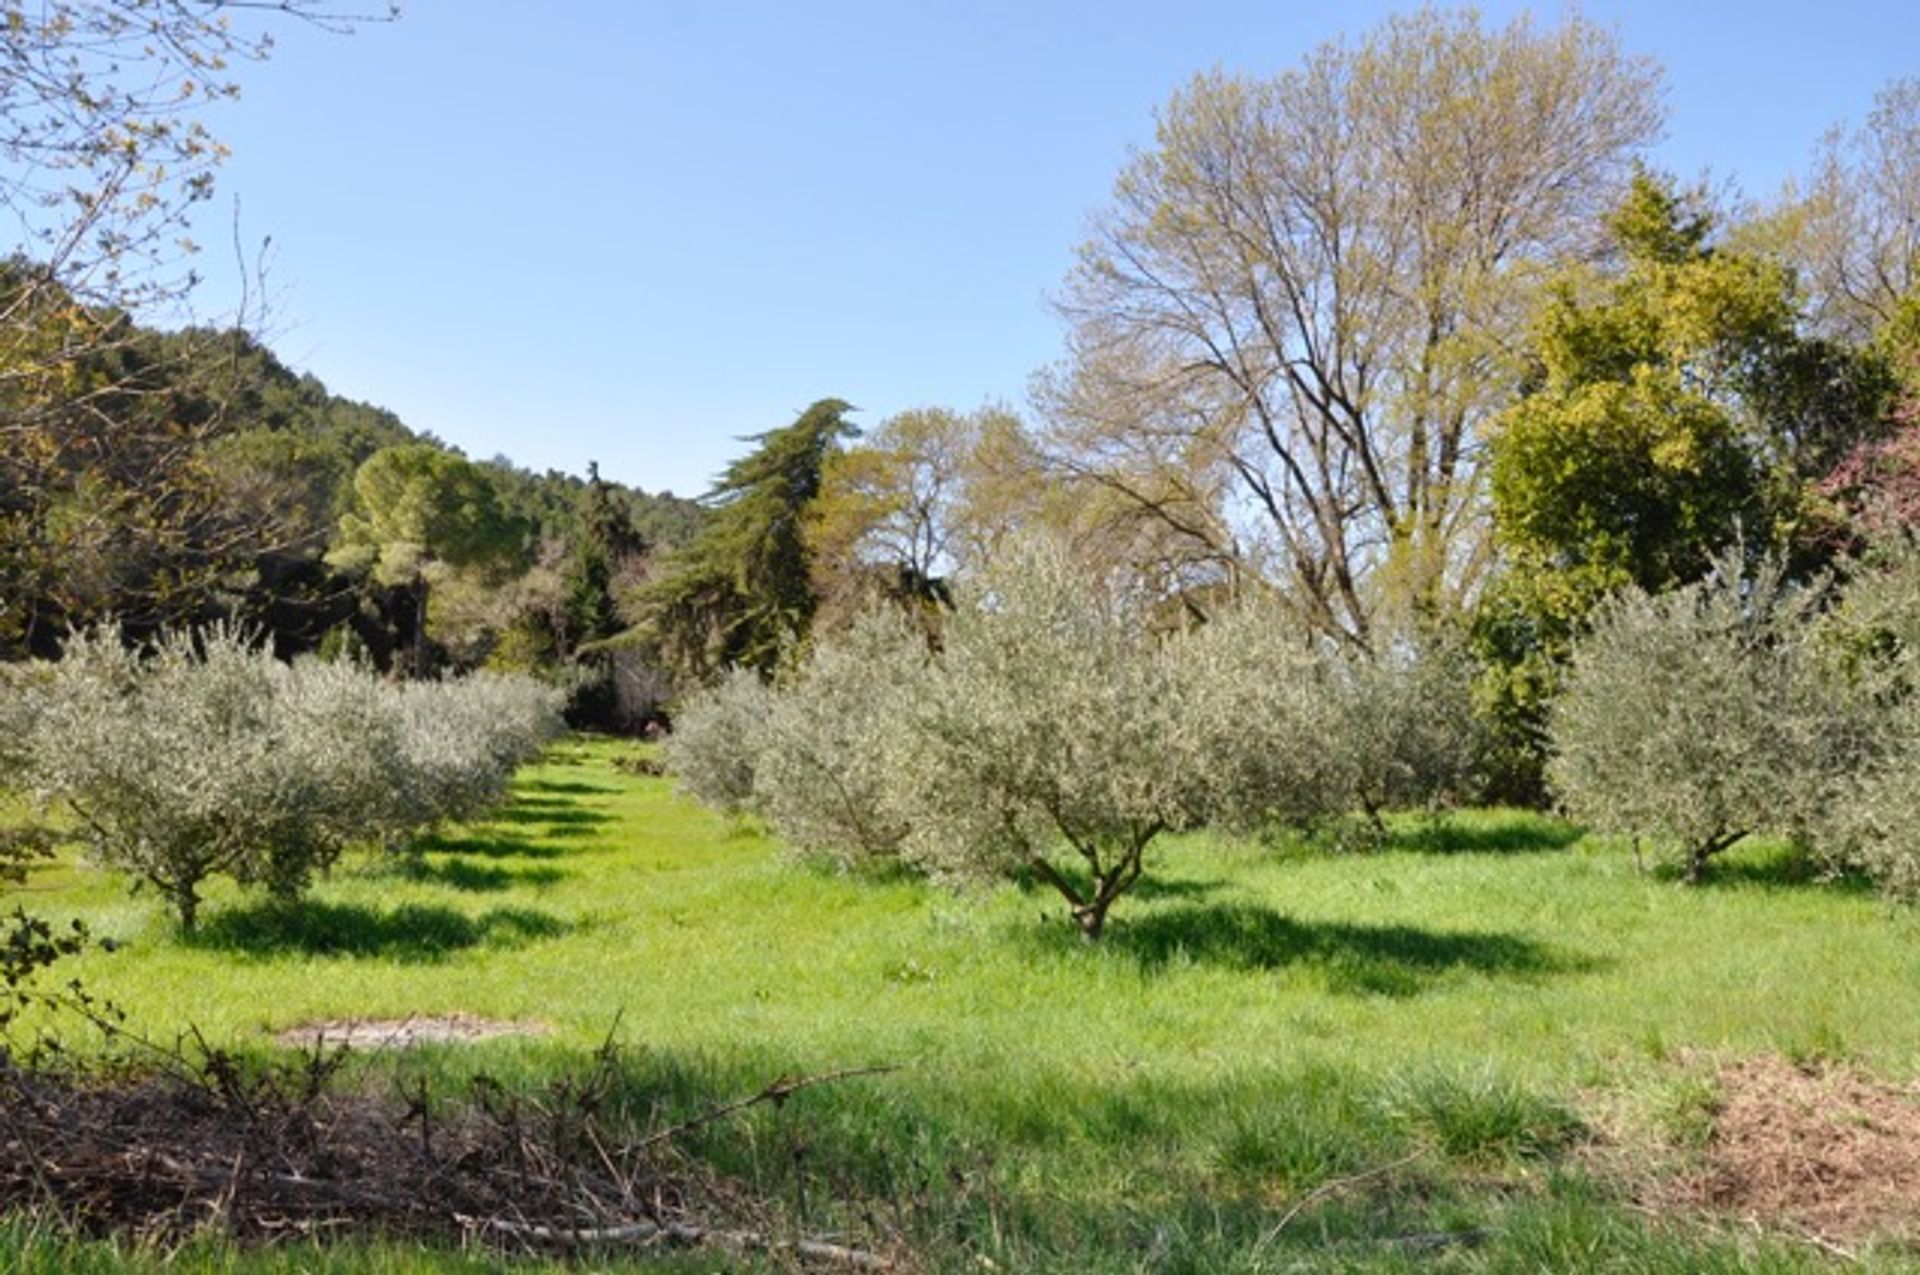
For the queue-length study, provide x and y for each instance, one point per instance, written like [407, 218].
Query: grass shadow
[563, 818]
[1505, 833]
[461, 874]
[1769, 866]
[491, 846]
[411, 933]
[1147, 887]
[1372, 960]
[573, 786]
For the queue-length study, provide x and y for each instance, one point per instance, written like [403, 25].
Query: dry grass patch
[1820, 1149]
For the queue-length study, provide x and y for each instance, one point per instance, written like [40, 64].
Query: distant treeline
[163, 479]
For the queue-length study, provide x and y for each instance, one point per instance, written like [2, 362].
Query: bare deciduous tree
[1302, 303]
[1857, 237]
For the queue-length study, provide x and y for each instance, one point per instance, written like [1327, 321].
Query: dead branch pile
[268, 1153]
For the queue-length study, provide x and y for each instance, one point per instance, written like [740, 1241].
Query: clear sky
[635, 230]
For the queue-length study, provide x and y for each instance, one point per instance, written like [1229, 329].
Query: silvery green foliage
[1696, 717]
[1872, 822]
[831, 744]
[1052, 736]
[717, 741]
[1410, 734]
[202, 755]
[18, 700]
[1875, 827]
[1266, 701]
[175, 762]
[460, 742]
[1298, 733]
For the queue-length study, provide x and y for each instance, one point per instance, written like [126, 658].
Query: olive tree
[202, 755]
[1299, 731]
[1261, 694]
[1051, 737]
[829, 777]
[1696, 717]
[1872, 822]
[175, 764]
[717, 741]
[1410, 731]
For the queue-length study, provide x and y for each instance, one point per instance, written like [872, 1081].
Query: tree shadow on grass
[552, 822]
[462, 874]
[567, 786]
[493, 846]
[1514, 833]
[572, 818]
[1768, 866]
[410, 933]
[1371, 960]
[1147, 887]
[523, 802]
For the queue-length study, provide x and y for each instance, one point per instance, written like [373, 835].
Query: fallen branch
[682, 1234]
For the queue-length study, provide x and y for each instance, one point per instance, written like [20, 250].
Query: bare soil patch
[399, 1033]
[1822, 1149]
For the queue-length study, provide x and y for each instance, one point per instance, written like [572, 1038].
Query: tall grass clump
[200, 755]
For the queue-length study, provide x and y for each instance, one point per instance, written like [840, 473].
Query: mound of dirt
[399, 1033]
[1823, 1149]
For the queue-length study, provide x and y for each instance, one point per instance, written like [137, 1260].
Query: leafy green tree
[917, 503]
[420, 510]
[136, 479]
[742, 592]
[604, 539]
[1674, 407]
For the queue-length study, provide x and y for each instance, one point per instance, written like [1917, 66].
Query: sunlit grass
[1258, 1022]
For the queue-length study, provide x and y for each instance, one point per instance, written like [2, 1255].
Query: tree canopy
[1289, 327]
[741, 592]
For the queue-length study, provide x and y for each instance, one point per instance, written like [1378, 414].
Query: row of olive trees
[1748, 705]
[202, 755]
[1055, 734]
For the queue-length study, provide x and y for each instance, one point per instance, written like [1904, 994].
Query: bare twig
[777, 1092]
[1331, 1187]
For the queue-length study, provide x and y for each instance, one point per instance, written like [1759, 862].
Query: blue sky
[633, 231]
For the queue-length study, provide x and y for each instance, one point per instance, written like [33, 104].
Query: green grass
[1257, 1025]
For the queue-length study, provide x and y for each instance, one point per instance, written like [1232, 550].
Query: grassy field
[1276, 1060]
